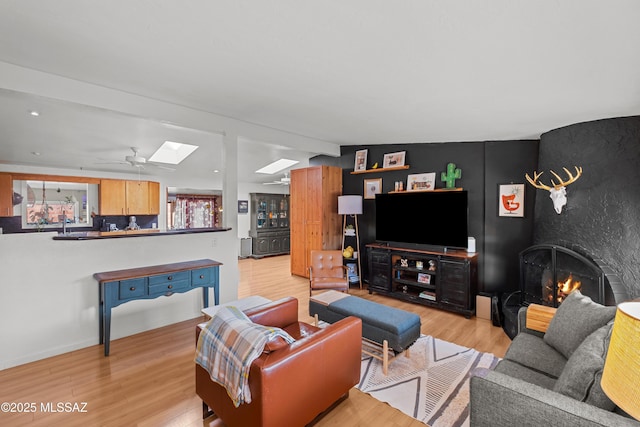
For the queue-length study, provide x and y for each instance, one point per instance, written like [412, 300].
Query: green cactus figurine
[451, 175]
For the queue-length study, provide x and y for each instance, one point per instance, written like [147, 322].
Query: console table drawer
[171, 286]
[167, 278]
[131, 288]
[201, 276]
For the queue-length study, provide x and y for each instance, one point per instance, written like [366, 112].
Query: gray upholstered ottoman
[389, 327]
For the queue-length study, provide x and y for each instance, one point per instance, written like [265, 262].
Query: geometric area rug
[432, 386]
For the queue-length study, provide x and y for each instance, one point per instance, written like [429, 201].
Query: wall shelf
[394, 168]
[425, 191]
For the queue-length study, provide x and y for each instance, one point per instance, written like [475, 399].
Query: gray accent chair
[550, 375]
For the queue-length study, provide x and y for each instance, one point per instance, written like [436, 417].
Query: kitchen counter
[145, 232]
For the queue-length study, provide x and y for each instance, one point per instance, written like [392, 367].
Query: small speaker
[495, 311]
[471, 244]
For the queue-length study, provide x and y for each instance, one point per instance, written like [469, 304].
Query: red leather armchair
[293, 383]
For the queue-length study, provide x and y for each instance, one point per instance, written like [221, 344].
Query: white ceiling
[69, 135]
[345, 72]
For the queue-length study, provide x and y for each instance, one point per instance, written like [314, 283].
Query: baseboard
[50, 352]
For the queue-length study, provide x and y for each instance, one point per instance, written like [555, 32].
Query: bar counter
[146, 232]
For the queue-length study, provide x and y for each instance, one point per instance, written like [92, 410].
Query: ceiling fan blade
[167, 168]
[112, 162]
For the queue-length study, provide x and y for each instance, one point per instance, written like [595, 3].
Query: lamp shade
[621, 375]
[350, 205]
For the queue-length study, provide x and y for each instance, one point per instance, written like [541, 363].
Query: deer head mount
[558, 191]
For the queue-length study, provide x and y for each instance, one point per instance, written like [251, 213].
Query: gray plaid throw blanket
[228, 345]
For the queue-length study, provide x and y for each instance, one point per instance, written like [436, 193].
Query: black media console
[446, 280]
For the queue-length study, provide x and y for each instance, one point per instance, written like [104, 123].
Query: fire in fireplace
[562, 290]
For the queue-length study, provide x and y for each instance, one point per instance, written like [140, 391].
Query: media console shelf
[446, 280]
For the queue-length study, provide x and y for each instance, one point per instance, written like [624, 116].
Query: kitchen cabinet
[315, 223]
[269, 224]
[120, 197]
[6, 195]
[112, 197]
[137, 197]
[154, 198]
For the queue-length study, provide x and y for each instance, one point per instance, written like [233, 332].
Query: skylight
[277, 166]
[172, 152]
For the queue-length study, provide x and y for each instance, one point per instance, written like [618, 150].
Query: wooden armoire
[315, 223]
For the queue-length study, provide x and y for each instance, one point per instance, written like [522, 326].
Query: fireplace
[548, 273]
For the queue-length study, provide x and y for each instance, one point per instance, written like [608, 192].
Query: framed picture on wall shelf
[393, 159]
[372, 187]
[361, 160]
[511, 200]
[421, 182]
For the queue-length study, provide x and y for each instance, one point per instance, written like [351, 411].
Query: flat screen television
[430, 218]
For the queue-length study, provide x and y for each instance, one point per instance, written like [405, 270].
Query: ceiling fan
[282, 181]
[137, 161]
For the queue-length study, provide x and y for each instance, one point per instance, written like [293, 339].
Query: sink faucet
[64, 223]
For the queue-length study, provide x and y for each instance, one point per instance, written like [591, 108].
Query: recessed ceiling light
[277, 166]
[172, 152]
[34, 113]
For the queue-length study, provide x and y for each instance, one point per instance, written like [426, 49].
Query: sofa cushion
[300, 330]
[532, 352]
[576, 318]
[515, 370]
[581, 376]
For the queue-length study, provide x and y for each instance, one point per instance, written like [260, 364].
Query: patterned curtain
[196, 211]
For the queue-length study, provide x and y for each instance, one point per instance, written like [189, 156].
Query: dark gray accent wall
[484, 166]
[603, 211]
[506, 163]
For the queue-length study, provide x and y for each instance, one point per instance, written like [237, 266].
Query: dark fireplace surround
[549, 272]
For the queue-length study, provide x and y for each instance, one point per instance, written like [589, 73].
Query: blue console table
[120, 286]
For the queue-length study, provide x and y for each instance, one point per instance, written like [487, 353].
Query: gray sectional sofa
[550, 375]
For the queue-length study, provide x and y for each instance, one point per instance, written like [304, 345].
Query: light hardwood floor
[148, 380]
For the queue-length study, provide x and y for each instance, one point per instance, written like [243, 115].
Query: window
[49, 204]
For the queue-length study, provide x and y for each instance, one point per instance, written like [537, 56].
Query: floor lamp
[351, 205]
[621, 375]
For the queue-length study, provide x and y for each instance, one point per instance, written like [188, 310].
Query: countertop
[146, 232]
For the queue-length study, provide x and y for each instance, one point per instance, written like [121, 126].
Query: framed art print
[511, 200]
[372, 187]
[394, 159]
[361, 161]
[421, 182]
